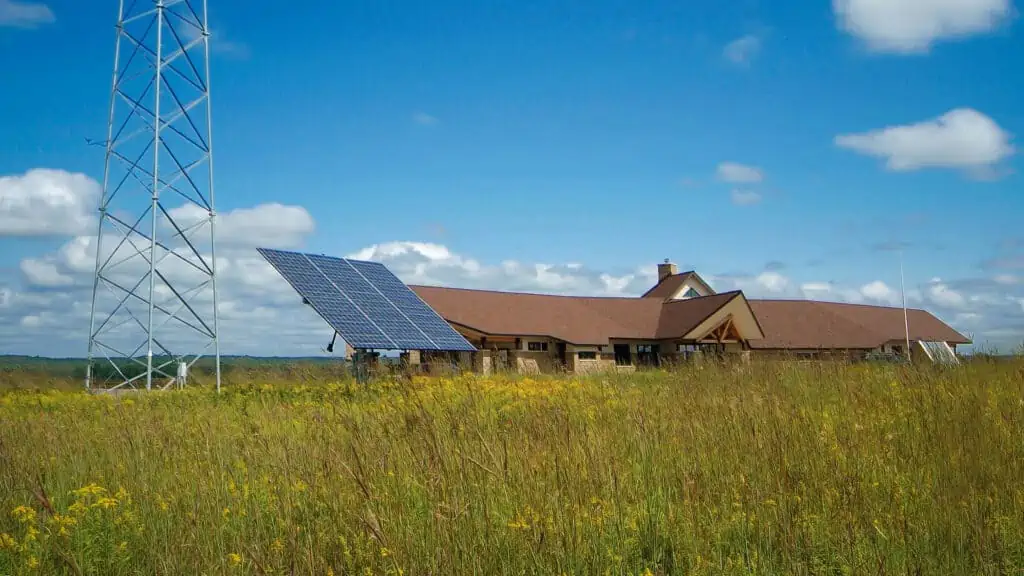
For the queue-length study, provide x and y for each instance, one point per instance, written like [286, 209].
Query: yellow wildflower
[235, 559]
[89, 490]
[7, 541]
[518, 523]
[106, 503]
[63, 523]
[24, 514]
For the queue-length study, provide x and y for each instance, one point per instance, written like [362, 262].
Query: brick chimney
[666, 269]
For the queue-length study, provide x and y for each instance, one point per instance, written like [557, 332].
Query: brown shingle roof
[668, 287]
[787, 324]
[564, 317]
[806, 324]
[681, 316]
[575, 319]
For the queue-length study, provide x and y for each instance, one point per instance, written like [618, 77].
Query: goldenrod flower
[106, 503]
[24, 514]
[89, 490]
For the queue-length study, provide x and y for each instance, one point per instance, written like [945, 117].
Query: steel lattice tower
[154, 300]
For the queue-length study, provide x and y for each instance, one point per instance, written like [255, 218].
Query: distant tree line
[108, 370]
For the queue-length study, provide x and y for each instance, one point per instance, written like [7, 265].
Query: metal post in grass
[154, 299]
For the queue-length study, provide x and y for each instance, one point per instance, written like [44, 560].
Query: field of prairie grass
[764, 469]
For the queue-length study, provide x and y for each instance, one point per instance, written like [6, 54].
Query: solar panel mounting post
[360, 366]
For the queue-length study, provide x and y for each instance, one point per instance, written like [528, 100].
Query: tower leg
[154, 299]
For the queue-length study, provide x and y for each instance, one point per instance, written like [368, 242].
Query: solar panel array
[940, 352]
[365, 303]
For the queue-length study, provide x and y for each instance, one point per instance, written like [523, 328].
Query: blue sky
[598, 133]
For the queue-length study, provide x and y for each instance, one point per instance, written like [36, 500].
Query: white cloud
[880, 292]
[266, 225]
[816, 288]
[745, 197]
[44, 273]
[31, 321]
[945, 296]
[261, 314]
[424, 119]
[914, 26]
[434, 264]
[962, 138]
[736, 173]
[44, 202]
[773, 282]
[24, 14]
[742, 50]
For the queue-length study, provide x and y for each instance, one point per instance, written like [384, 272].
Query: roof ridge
[837, 303]
[665, 279]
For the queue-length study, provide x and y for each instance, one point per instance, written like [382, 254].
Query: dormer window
[690, 293]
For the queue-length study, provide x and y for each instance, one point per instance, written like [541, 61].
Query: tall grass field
[777, 468]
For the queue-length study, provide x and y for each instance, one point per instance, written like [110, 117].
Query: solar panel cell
[331, 304]
[367, 304]
[388, 316]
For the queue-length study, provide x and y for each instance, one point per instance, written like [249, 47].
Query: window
[587, 355]
[537, 346]
[691, 293]
[622, 355]
[647, 354]
[687, 351]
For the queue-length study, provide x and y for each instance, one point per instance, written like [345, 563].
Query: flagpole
[906, 322]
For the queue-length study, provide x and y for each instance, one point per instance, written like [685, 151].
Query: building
[681, 316]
